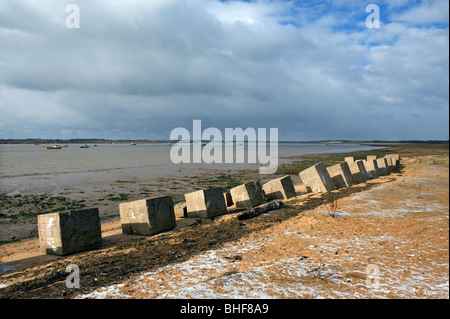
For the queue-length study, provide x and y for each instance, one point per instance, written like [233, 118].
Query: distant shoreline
[98, 141]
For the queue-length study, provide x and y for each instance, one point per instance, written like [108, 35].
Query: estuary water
[27, 166]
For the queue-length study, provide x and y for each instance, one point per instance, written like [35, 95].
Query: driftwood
[256, 211]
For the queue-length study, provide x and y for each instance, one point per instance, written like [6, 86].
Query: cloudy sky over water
[138, 69]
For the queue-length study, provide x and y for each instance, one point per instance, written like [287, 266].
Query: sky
[138, 69]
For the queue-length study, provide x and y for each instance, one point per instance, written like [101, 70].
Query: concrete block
[371, 157]
[349, 159]
[382, 167]
[280, 188]
[147, 216]
[371, 168]
[228, 199]
[180, 210]
[205, 203]
[355, 170]
[395, 159]
[317, 179]
[301, 188]
[390, 164]
[340, 175]
[248, 195]
[64, 233]
[363, 170]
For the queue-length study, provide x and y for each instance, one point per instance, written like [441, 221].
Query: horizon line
[80, 140]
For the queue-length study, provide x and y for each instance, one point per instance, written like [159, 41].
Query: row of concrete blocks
[64, 233]
[319, 179]
[213, 202]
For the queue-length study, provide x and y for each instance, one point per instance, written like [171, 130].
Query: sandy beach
[396, 223]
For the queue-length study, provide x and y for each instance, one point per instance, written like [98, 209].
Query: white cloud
[244, 12]
[151, 66]
[428, 11]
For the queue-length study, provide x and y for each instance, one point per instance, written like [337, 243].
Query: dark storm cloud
[139, 69]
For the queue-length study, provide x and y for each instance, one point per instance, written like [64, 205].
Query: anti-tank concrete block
[248, 195]
[371, 168]
[390, 165]
[340, 175]
[363, 170]
[395, 159]
[349, 159]
[147, 216]
[64, 233]
[317, 179]
[382, 167]
[279, 188]
[205, 203]
[228, 199]
[180, 210]
[357, 175]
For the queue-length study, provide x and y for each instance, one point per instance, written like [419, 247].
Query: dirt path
[387, 238]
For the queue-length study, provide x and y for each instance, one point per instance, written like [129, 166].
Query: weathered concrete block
[363, 170]
[355, 170]
[349, 159]
[279, 188]
[301, 188]
[389, 164]
[317, 179]
[228, 199]
[371, 157]
[248, 195]
[147, 216]
[205, 203]
[340, 175]
[382, 167]
[180, 210]
[371, 168]
[64, 233]
[395, 158]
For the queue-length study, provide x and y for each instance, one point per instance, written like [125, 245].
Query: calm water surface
[29, 160]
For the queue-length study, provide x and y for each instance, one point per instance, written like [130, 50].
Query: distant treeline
[98, 141]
